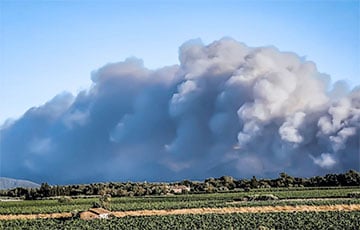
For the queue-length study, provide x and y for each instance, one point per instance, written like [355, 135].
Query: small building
[95, 213]
[179, 189]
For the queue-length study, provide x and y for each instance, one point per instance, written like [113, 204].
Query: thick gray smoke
[227, 109]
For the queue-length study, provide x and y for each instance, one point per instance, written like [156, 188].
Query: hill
[9, 183]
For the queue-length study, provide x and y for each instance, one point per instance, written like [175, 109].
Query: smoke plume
[226, 109]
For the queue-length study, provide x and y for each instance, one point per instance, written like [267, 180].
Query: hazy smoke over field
[227, 109]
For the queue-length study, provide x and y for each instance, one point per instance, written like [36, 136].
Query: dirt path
[36, 216]
[299, 208]
[258, 209]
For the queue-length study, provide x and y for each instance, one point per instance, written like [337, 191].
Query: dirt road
[36, 216]
[299, 208]
[258, 209]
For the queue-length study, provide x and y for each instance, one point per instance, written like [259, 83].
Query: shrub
[354, 194]
[260, 197]
[65, 199]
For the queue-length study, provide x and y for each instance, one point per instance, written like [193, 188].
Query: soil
[298, 208]
[88, 215]
[258, 209]
[36, 216]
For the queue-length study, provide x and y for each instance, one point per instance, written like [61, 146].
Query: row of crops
[300, 220]
[159, 205]
[181, 201]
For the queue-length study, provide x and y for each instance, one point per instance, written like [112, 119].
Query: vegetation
[307, 220]
[212, 193]
[210, 185]
[354, 194]
[260, 197]
[104, 202]
[65, 199]
[287, 196]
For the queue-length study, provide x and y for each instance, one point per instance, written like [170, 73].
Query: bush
[96, 205]
[247, 189]
[75, 214]
[104, 202]
[65, 199]
[354, 194]
[260, 197]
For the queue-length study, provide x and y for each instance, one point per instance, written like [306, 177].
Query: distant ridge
[9, 183]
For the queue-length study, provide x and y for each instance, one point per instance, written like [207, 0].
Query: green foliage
[96, 205]
[104, 202]
[299, 220]
[286, 197]
[210, 185]
[354, 194]
[260, 197]
[43, 206]
[296, 220]
[65, 199]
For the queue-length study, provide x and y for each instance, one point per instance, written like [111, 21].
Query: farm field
[286, 196]
[314, 208]
[279, 220]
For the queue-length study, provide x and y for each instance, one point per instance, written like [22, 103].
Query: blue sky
[47, 47]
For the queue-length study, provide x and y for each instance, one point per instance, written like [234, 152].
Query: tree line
[210, 185]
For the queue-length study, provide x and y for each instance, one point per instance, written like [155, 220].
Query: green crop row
[215, 204]
[134, 204]
[297, 220]
[181, 201]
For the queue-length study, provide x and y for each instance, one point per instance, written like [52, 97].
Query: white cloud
[325, 160]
